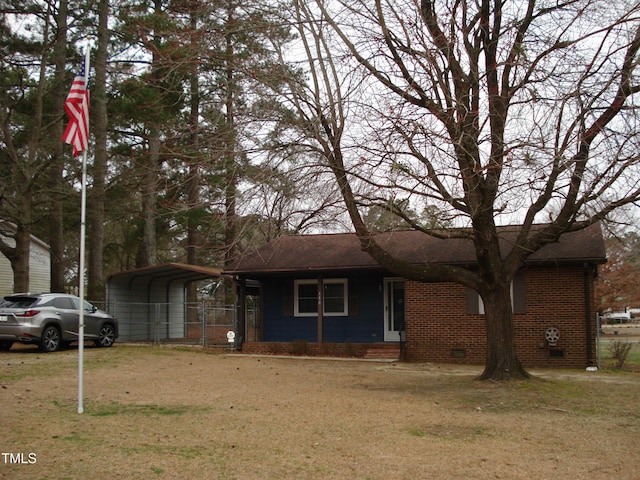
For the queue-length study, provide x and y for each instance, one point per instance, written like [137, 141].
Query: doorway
[393, 309]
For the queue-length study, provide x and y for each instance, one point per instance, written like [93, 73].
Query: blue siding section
[364, 324]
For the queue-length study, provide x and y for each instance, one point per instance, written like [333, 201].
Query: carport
[151, 303]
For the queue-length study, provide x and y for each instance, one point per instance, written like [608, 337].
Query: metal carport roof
[166, 273]
[154, 295]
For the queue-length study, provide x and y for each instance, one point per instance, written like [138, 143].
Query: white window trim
[296, 298]
[343, 313]
[345, 299]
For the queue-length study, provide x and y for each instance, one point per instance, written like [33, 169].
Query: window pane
[307, 290]
[334, 290]
[307, 305]
[64, 302]
[334, 297]
[333, 305]
[307, 298]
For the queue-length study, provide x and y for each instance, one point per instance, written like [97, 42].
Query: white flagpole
[81, 268]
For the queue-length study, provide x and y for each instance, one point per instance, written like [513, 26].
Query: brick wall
[439, 329]
[300, 347]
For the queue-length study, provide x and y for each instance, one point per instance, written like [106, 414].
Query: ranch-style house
[321, 294]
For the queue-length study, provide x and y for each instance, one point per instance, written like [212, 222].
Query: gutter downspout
[587, 315]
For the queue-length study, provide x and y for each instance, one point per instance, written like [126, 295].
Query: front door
[393, 309]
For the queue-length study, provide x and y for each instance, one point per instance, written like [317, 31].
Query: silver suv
[51, 320]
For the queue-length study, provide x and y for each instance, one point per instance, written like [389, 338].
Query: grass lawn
[178, 413]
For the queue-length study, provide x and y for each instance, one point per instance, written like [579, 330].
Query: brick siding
[439, 329]
[303, 348]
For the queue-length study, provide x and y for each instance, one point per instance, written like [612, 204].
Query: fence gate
[218, 320]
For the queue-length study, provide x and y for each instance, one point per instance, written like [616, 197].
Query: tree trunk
[148, 254]
[193, 237]
[26, 177]
[95, 273]
[56, 211]
[501, 359]
[148, 251]
[194, 158]
[230, 149]
[20, 261]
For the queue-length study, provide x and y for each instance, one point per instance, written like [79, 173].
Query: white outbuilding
[39, 263]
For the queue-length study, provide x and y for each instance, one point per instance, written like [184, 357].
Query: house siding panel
[6, 276]
[279, 324]
[39, 266]
[363, 324]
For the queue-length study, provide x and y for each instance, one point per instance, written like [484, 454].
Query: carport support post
[320, 309]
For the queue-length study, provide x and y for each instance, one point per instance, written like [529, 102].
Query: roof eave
[360, 268]
[282, 271]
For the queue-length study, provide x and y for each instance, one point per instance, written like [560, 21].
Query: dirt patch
[183, 413]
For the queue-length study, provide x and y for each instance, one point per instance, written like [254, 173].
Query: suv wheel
[5, 345]
[106, 337]
[50, 340]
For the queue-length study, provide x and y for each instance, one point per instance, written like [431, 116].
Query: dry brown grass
[171, 413]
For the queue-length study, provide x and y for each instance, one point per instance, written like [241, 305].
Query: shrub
[619, 352]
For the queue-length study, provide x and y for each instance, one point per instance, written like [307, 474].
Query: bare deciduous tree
[495, 112]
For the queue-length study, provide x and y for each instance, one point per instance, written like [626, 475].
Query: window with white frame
[334, 292]
[306, 298]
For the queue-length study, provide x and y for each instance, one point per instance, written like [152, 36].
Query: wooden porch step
[383, 353]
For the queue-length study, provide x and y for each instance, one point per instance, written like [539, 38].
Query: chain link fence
[197, 323]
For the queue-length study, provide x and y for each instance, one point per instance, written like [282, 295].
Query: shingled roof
[332, 252]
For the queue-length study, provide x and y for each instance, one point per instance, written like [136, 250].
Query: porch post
[320, 307]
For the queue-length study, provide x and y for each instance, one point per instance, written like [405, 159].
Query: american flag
[77, 107]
